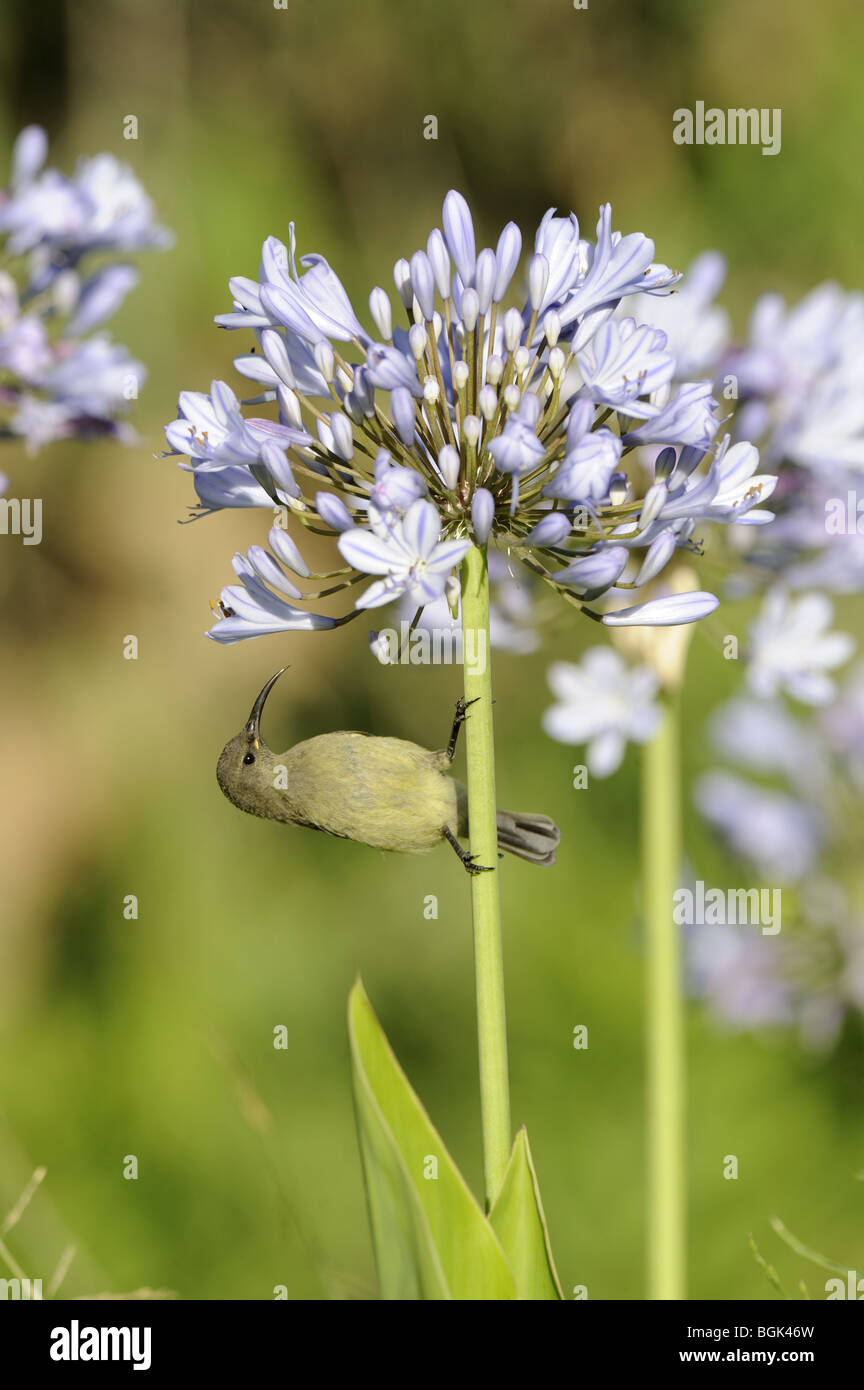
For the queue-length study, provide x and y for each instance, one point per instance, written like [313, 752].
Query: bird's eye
[250, 758]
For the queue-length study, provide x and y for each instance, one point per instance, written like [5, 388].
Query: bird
[387, 793]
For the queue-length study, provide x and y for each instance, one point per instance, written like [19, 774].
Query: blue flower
[687, 417]
[623, 364]
[517, 449]
[617, 266]
[314, 306]
[729, 491]
[214, 433]
[672, 610]
[409, 554]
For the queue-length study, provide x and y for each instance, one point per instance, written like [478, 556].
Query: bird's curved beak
[253, 731]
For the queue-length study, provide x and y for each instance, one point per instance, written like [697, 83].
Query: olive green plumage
[383, 792]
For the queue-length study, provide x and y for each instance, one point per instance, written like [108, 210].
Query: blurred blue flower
[54, 383]
[739, 974]
[604, 703]
[790, 648]
[779, 834]
[763, 737]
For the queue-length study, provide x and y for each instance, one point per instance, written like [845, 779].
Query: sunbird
[382, 792]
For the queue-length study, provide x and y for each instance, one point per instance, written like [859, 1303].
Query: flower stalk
[485, 900]
[661, 861]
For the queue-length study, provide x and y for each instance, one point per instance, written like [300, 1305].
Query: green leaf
[517, 1216]
[430, 1237]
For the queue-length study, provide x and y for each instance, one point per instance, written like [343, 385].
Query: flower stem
[486, 909]
[661, 863]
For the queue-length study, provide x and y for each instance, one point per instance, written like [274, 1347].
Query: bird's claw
[474, 868]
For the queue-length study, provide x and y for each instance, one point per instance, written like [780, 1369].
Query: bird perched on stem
[383, 792]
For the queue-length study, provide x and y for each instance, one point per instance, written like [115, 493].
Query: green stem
[488, 956]
[661, 863]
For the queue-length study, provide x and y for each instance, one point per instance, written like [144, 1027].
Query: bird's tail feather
[535, 838]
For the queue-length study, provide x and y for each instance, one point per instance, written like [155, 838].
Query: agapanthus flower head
[519, 427]
[54, 381]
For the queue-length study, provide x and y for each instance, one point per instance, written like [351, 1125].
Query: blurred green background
[154, 1037]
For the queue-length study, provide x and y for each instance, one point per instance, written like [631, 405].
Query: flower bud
[552, 529]
[488, 402]
[276, 355]
[482, 514]
[619, 488]
[439, 259]
[557, 362]
[538, 279]
[459, 235]
[507, 254]
[484, 278]
[494, 370]
[382, 313]
[289, 407]
[655, 500]
[402, 406]
[333, 512]
[448, 466]
[423, 283]
[324, 359]
[471, 427]
[552, 327]
[657, 557]
[402, 281]
[418, 340]
[343, 436]
[470, 309]
[513, 329]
